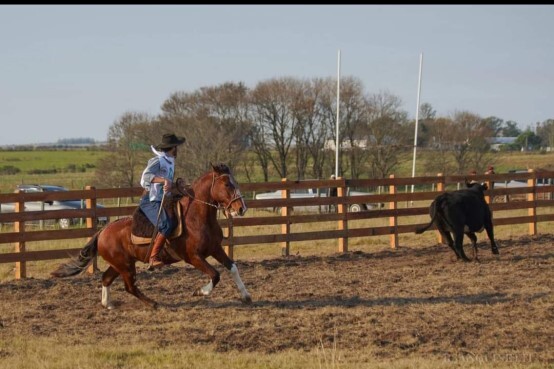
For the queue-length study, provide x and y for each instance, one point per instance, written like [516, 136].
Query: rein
[218, 206]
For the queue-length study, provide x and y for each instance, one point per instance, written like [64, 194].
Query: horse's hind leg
[107, 278]
[222, 257]
[129, 280]
[205, 267]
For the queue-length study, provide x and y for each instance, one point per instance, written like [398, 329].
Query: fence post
[342, 210]
[489, 198]
[19, 227]
[285, 227]
[393, 221]
[531, 198]
[90, 203]
[440, 188]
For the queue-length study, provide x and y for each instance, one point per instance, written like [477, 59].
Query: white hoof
[109, 306]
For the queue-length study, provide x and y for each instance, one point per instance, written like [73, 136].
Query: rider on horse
[157, 179]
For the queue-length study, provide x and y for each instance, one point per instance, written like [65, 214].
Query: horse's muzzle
[242, 210]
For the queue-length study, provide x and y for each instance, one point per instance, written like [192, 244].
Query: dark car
[52, 205]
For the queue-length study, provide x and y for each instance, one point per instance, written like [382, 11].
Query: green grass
[61, 164]
[59, 159]
[65, 352]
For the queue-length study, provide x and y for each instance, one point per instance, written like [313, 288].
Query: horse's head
[225, 191]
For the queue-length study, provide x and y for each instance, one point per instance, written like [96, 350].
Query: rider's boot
[155, 261]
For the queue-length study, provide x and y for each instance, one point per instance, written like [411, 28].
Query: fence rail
[391, 191]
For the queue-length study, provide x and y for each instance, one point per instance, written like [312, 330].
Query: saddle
[142, 228]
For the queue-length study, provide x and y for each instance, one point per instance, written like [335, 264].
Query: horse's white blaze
[207, 289]
[243, 204]
[235, 274]
[106, 301]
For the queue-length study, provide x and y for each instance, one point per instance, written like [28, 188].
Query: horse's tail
[79, 264]
[434, 207]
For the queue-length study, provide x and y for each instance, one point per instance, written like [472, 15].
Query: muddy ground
[410, 301]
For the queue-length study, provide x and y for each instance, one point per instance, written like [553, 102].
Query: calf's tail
[79, 264]
[434, 206]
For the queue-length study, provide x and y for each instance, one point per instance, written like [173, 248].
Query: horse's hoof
[198, 292]
[496, 252]
[109, 306]
[247, 300]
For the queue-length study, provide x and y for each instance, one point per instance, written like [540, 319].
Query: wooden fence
[390, 191]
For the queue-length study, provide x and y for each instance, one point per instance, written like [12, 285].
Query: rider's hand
[167, 186]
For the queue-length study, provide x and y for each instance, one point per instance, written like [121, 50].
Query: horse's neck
[200, 203]
[202, 188]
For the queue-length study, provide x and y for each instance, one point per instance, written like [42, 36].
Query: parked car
[312, 193]
[514, 183]
[51, 205]
[518, 183]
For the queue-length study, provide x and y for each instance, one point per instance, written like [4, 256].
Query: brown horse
[201, 237]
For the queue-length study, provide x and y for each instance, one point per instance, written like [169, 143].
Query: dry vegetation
[410, 307]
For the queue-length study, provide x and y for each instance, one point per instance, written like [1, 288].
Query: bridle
[218, 206]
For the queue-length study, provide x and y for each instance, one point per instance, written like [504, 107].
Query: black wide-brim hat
[169, 140]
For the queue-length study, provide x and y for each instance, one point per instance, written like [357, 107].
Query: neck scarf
[164, 155]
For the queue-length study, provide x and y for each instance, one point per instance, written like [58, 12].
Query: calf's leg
[473, 239]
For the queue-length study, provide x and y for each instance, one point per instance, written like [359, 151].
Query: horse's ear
[211, 165]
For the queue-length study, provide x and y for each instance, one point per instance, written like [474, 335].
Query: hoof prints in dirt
[412, 300]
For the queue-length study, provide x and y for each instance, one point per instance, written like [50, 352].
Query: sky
[71, 71]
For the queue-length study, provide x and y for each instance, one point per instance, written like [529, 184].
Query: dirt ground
[391, 304]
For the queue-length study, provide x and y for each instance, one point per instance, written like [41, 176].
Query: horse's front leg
[245, 296]
[222, 257]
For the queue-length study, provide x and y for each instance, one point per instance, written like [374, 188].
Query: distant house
[345, 145]
[496, 142]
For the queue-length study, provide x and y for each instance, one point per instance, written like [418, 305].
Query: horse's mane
[221, 168]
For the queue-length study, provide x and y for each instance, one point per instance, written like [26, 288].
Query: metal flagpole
[338, 108]
[417, 118]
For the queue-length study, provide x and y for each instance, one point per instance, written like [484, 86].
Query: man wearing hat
[157, 179]
[490, 170]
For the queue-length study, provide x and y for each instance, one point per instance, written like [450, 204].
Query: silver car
[307, 193]
[51, 205]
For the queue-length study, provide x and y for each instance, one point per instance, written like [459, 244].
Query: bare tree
[128, 143]
[545, 131]
[439, 131]
[468, 141]
[310, 131]
[352, 123]
[317, 128]
[215, 121]
[261, 148]
[272, 103]
[426, 117]
[388, 132]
